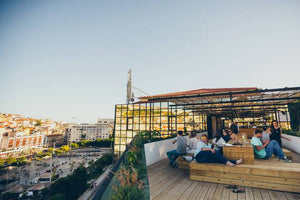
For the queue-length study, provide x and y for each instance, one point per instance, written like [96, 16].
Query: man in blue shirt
[205, 154]
[266, 150]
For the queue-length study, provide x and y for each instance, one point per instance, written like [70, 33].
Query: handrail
[101, 189]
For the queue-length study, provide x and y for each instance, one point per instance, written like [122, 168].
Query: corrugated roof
[201, 91]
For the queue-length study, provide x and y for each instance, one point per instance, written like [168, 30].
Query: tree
[2, 162]
[22, 160]
[11, 160]
[65, 148]
[74, 145]
[58, 152]
[51, 150]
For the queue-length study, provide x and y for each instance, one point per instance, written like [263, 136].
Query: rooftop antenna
[130, 96]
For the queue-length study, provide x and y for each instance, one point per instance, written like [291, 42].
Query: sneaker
[175, 164]
[285, 160]
[187, 158]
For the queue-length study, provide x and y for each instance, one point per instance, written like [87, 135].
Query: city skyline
[68, 61]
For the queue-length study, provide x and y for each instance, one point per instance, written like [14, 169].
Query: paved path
[89, 193]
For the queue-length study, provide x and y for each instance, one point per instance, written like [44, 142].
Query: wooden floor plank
[204, 191]
[289, 196]
[192, 187]
[219, 192]
[242, 196]
[232, 195]
[210, 192]
[257, 194]
[226, 193]
[265, 194]
[166, 182]
[200, 188]
[297, 196]
[182, 186]
[163, 189]
[249, 193]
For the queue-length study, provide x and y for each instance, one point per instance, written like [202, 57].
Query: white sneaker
[187, 158]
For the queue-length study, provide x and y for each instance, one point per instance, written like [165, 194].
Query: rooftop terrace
[174, 183]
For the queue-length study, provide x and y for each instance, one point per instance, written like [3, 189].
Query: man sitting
[266, 150]
[181, 149]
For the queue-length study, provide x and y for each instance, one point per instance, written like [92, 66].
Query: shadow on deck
[170, 183]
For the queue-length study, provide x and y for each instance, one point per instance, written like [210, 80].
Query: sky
[67, 60]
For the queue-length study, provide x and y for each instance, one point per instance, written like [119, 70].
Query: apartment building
[100, 130]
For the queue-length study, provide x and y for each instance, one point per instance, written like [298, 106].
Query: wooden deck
[169, 183]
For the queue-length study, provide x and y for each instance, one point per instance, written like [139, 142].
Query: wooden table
[244, 151]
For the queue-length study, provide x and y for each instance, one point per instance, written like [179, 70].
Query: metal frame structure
[169, 113]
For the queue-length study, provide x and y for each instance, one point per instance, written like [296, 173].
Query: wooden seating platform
[268, 174]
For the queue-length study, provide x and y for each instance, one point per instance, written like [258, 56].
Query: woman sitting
[193, 141]
[205, 154]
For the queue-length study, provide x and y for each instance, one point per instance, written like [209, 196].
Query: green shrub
[128, 193]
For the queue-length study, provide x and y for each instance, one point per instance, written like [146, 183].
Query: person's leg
[219, 158]
[278, 151]
[172, 155]
[203, 157]
[274, 148]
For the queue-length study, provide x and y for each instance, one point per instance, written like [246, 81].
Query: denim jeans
[209, 157]
[173, 155]
[274, 148]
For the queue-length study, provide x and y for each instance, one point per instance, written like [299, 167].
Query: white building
[101, 130]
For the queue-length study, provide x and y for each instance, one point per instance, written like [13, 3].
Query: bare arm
[208, 149]
[288, 139]
[258, 148]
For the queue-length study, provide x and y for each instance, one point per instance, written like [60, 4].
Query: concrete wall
[293, 145]
[156, 151]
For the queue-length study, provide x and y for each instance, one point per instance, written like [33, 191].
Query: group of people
[265, 144]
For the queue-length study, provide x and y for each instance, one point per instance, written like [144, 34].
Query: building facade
[101, 130]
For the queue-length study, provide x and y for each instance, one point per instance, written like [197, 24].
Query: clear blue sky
[65, 59]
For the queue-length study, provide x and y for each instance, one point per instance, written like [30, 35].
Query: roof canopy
[231, 102]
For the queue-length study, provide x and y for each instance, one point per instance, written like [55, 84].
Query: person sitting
[193, 141]
[181, 149]
[218, 142]
[266, 134]
[205, 154]
[228, 135]
[266, 150]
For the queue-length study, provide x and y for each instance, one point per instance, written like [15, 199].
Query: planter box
[293, 145]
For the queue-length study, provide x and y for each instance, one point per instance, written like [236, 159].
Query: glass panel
[156, 120]
[117, 134]
[164, 112]
[180, 119]
[136, 120]
[136, 127]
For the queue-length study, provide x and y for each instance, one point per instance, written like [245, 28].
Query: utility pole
[129, 97]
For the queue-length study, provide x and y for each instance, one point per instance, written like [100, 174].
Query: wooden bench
[268, 174]
[182, 164]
